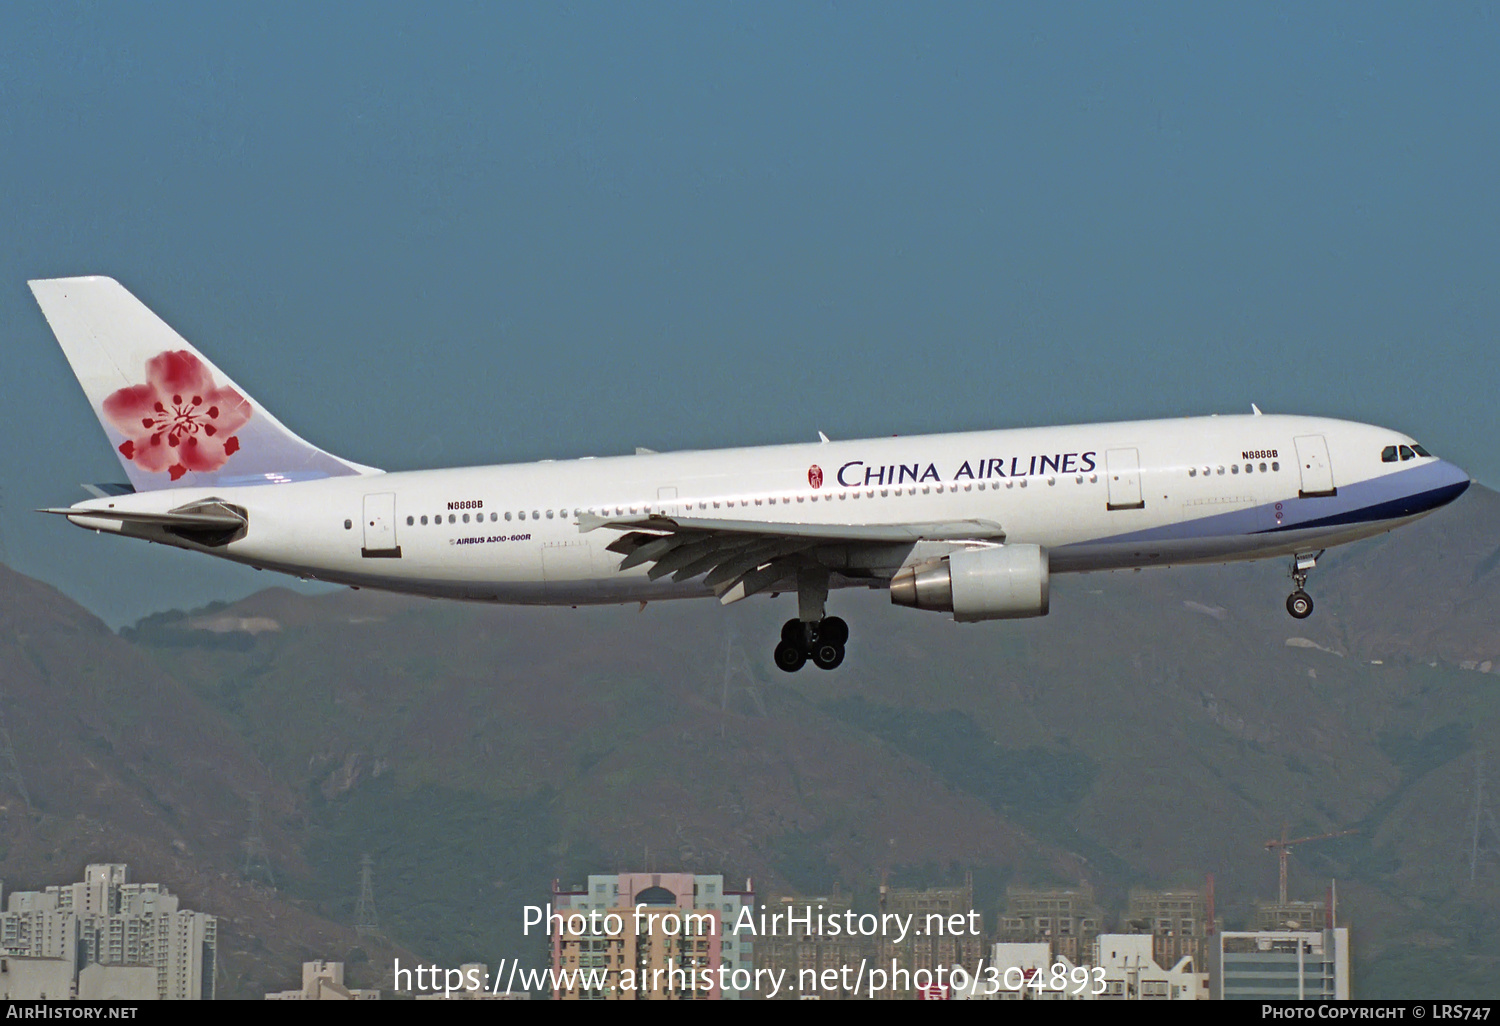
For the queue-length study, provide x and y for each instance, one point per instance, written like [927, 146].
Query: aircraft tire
[827, 655]
[792, 632]
[835, 630]
[1300, 604]
[790, 657]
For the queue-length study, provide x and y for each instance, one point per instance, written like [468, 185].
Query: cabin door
[1122, 469]
[380, 526]
[1316, 467]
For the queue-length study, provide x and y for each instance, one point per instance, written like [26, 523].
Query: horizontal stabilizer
[210, 522]
[104, 491]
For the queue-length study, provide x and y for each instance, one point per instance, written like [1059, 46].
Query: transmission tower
[737, 664]
[257, 857]
[366, 921]
[1485, 837]
[11, 767]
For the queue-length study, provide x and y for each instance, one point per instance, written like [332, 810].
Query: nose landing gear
[1299, 603]
[822, 641]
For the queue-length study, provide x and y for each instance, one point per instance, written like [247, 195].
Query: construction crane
[1284, 847]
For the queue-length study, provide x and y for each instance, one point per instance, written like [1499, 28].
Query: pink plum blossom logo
[179, 420]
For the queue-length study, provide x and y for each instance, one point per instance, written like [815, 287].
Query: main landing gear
[822, 641]
[812, 635]
[1299, 603]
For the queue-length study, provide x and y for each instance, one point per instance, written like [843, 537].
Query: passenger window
[1249, 468]
[494, 517]
[1276, 466]
[507, 514]
[410, 521]
[1407, 454]
[348, 525]
[1262, 468]
[549, 514]
[522, 514]
[1234, 468]
[424, 521]
[466, 518]
[1388, 454]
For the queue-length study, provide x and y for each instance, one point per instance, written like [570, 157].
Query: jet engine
[1003, 582]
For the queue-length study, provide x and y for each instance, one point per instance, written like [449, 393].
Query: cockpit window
[1388, 454]
[1407, 454]
[1419, 450]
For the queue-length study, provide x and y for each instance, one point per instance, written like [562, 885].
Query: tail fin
[174, 419]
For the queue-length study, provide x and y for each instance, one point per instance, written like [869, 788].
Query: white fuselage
[1094, 496]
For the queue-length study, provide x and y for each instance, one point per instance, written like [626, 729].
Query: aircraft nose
[1452, 481]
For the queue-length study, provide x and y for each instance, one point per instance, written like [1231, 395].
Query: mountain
[1157, 726]
[117, 761]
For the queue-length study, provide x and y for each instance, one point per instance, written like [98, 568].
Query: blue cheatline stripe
[1387, 497]
[1393, 509]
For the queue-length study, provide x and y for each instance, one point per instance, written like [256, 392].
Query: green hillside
[1154, 728]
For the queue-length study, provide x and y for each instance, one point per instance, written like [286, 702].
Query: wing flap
[939, 530]
[740, 558]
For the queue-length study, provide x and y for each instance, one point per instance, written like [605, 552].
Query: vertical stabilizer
[173, 418]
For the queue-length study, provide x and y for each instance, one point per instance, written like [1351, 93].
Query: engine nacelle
[1004, 582]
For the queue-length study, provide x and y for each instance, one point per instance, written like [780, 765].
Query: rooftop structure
[323, 981]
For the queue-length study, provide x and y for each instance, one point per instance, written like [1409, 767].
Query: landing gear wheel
[790, 657]
[792, 632]
[827, 655]
[835, 630]
[1300, 604]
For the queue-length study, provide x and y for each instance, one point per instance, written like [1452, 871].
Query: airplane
[972, 524]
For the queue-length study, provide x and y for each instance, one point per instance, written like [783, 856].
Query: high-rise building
[1293, 915]
[807, 957]
[946, 931]
[1177, 922]
[107, 920]
[1285, 965]
[650, 936]
[1066, 918]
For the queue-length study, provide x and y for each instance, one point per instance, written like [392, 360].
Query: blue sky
[475, 233]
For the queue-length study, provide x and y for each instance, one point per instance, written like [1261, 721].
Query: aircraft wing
[743, 557]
